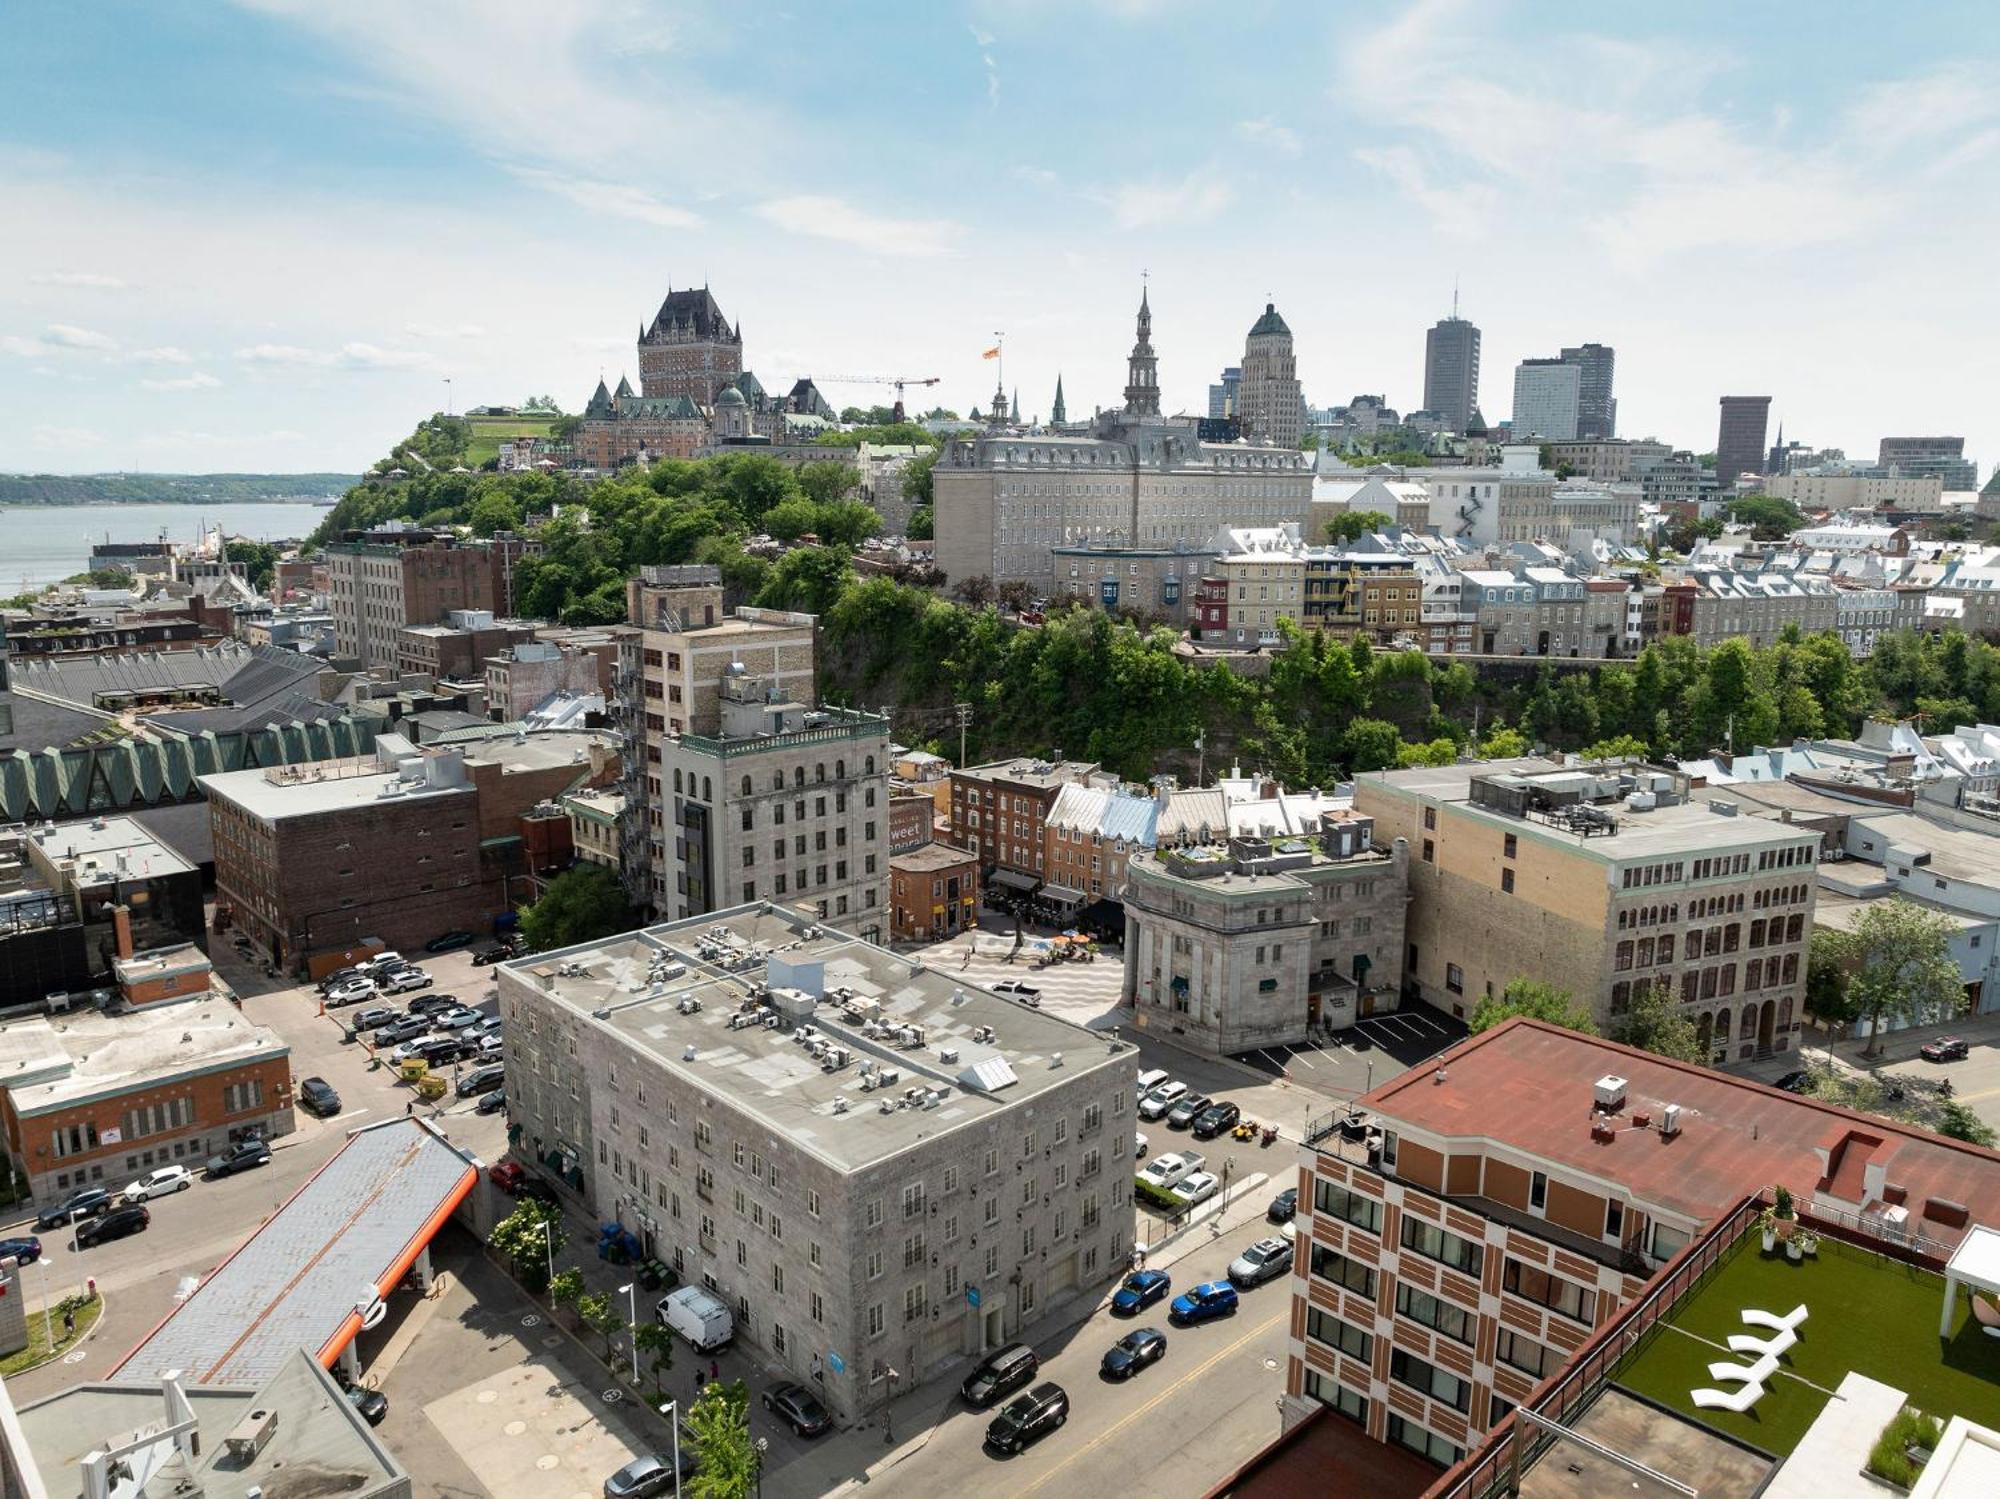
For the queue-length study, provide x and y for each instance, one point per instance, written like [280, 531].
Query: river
[42, 544]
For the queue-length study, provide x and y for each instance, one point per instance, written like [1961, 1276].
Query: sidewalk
[1897, 1046]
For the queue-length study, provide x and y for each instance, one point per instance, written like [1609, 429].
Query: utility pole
[964, 721]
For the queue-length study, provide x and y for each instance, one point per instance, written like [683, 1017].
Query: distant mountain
[168, 489]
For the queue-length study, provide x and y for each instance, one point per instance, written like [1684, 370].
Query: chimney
[121, 926]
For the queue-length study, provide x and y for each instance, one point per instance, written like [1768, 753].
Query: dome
[730, 396]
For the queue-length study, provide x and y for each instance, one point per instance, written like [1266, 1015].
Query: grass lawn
[488, 432]
[38, 1345]
[1868, 1314]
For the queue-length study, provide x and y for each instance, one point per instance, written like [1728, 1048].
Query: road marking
[1189, 1377]
[1299, 1057]
[350, 1114]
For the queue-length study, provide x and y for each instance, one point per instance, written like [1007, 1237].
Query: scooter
[1270, 1133]
[1244, 1131]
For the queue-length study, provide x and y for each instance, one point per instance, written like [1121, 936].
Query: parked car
[78, 1205]
[645, 1477]
[1197, 1187]
[402, 1028]
[1267, 1259]
[1216, 1118]
[1140, 1145]
[433, 1004]
[244, 1157]
[1151, 1078]
[340, 976]
[1156, 1103]
[1186, 1109]
[1141, 1289]
[457, 1018]
[381, 962]
[1028, 994]
[351, 992]
[372, 1404]
[482, 1080]
[450, 942]
[1284, 1207]
[1945, 1049]
[536, 1190]
[131, 1218]
[1028, 1418]
[404, 980]
[1794, 1082]
[1131, 1353]
[1212, 1299]
[1165, 1170]
[374, 1018]
[798, 1408]
[507, 1176]
[1001, 1372]
[316, 1096]
[436, 1050]
[492, 1103]
[486, 1025]
[491, 952]
[162, 1182]
[26, 1248]
[484, 1047]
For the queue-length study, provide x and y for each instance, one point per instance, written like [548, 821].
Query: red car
[506, 1175]
[1946, 1049]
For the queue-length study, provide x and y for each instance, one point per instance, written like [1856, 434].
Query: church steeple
[1057, 414]
[1142, 379]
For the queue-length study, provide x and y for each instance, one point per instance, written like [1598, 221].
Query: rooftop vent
[688, 1055]
[948, 1053]
[1670, 1121]
[1609, 1093]
[252, 1434]
[840, 1103]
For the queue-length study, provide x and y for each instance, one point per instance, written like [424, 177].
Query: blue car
[27, 1249]
[1140, 1291]
[1215, 1298]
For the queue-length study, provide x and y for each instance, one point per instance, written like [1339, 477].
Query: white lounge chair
[1777, 1343]
[1755, 1373]
[1744, 1396]
[1787, 1323]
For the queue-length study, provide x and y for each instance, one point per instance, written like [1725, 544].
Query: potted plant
[1808, 1243]
[1767, 1225]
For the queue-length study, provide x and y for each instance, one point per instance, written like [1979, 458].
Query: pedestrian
[715, 1371]
[409, 1108]
[69, 1322]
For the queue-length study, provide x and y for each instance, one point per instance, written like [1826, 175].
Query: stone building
[593, 819]
[689, 352]
[530, 672]
[1269, 404]
[1150, 580]
[878, 1166]
[623, 427]
[1602, 880]
[1258, 941]
[380, 582]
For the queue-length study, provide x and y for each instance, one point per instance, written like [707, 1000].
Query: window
[1430, 852]
[874, 1264]
[1341, 1271]
[1423, 1443]
[1447, 1248]
[1444, 1387]
[876, 1322]
[818, 1307]
[1441, 1316]
[1352, 1207]
[1511, 847]
[1524, 1354]
[1538, 1190]
[1348, 1402]
[871, 1213]
[1668, 1242]
[1507, 881]
[1330, 1330]
[1614, 1219]
[1558, 1295]
[1454, 978]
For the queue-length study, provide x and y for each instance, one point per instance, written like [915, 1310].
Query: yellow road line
[1111, 1431]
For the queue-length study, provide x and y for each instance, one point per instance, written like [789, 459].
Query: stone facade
[380, 582]
[1268, 401]
[689, 351]
[1153, 582]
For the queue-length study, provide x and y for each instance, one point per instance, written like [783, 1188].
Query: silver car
[1267, 1259]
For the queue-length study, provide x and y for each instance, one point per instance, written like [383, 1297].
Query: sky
[264, 234]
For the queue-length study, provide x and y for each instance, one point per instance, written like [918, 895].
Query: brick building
[381, 581]
[1001, 810]
[525, 674]
[456, 650]
[933, 893]
[911, 814]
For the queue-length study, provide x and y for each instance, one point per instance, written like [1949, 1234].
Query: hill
[167, 489]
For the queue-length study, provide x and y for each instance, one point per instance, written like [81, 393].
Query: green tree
[1900, 966]
[1960, 1123]
[566, 1290]
[1537, 1001]
[1826, 979]
[1654, 1023]
[1503, 743]
[923, 524]
[719, 1421]
[1770, 519]
[828, 481]
[258, 559]
[810, 579]
[494, 511]
[584, 902]
[1618, 747]
[916, 480]
[597, 1313]
[1370, 744]
[528, 1239]
[656, 1347]
[1356, 524]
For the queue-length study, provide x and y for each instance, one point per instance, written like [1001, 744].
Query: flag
[992, 353]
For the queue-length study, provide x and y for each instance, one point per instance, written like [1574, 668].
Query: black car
[116, 1224]
[372, 1404]
[1187, 1109]
[1027, 1418]
[1285, 1206]
[1214, 1119]
[84, 1204]
[492, 952]
[798, 1408]
[316, 1096]
[1795, 1082]
[1131, 1353]
[26, 1248]
[449, 942]
[426, 1004]
[396, 1032]
[1001, 1372]
[338, 977]
[482, 1080]
[492, 1103]
[243, 1157]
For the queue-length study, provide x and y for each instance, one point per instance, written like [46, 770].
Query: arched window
[777, 780]
[707, 790]
[798, 775]
[840, 770]
[746, 785]
[871, 765]
[819, 771]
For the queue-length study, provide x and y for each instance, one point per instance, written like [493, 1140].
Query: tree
[1900, 966]
[1618, 747]
[923, 524]
[567, 1288]
[828, 481]
[529, 1238]
[656, 1346]
[258, 559]
[1370, 744]
[494, 511]
[1654, 1023]
[1536, 1000]
[581, 904]
[1770, 519]
[810, 579]
[719, 1421]
[600, 1316]
[976, 590]
[1960, 1123]
[1826, 979]
[917, 488]
[1503, 743]
[1356, 524]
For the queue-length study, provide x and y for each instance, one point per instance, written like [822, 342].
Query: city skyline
[264, 236]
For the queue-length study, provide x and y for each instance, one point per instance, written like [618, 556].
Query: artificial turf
[1867, 1314]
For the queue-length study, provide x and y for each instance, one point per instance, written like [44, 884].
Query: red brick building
[1001, 812]
[933, 893]
[381, 581]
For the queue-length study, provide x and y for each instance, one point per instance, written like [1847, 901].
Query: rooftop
[1957, 853]
[705, 1027]
[412, 771]
[51, 1062]
[930, 857]
[352, 1231]
[106, 849]
[1025, 771]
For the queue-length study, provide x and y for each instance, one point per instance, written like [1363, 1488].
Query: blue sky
[262, 234]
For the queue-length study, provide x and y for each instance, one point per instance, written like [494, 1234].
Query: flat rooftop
[93, 850]
[53, 1061]
[1713, 1465]
[931, 856]
[357, 1223]
[766, 1073]
[333, 785]
[1528, 1085]
[1957, 853]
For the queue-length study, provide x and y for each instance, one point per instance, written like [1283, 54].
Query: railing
[1503, 1455]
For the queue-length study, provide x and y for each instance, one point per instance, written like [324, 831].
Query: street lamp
[631, 1294]
[889, 1412]
[549, 1244]
[672, 1411]
[763, 1446]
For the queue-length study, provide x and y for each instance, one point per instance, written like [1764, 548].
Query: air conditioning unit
[1609, 1093]
[1670, 1121]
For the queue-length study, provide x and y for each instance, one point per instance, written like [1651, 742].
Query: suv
[1156, 1103]
[373, 1018]
[436, 1050]
[1215, 1298]
[1267, 1259]
[1001, 1372]
[351, 992]
[1186, 1108]
[1216, 1118]
[78, 1205]
[402, 1028]
[482, 1080]
[1028, 1417]
[116, 1224]
[240, 1158]
[433, 1004]
[405, 979]
[316, 1096]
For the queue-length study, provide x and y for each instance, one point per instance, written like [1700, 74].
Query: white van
[699, 1316]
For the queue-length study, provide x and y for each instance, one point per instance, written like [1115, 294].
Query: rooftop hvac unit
[888, 1106]
[252, 1434]
[840, 1103]
[774, 1022]
[888, 1077]
[948, 1053]
[930, 1100]
[867, 1082]
[688, 1055]
[1670, 1121]
[1610, 1093]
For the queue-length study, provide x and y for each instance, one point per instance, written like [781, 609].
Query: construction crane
[899, 381]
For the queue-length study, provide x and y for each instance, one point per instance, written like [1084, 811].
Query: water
[41, 544]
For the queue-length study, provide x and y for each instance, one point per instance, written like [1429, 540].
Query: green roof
[1270, 322]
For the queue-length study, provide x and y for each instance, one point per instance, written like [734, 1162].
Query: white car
[1199, 1187]
[1165, 1170]
[159, 1183]
[1156, 1103]
[405, 979]
[351, 993]
[381, 962]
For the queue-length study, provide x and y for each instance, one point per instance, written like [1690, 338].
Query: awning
[1013, 879]
[1062, 895]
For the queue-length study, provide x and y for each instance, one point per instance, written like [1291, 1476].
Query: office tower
[1451, 371]
[1271, 408]
[1222, 395]
[1547, 397]
[1739, 442]
[1596, 407]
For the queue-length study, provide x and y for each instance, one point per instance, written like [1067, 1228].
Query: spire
[1142, 379]
[1057, 413]
[1017, 403]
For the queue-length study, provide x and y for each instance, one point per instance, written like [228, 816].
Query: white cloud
[1270, 135]
[983, 40]
[617, 199]
[350, 356]
[1463, 211]
[281, 354]
[196, 381]
[1195, 198]
[80, 278]
[69, 336]
[435, 330]
[165, 354]
[50, 436]
[25, 346]
[823, 217]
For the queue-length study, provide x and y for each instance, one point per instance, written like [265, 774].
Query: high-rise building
[1222, 395]
[1596, 406]
[1739, 442]
[1925, 457]
[1548, 397]
[1272, 409]
[1451, 371]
